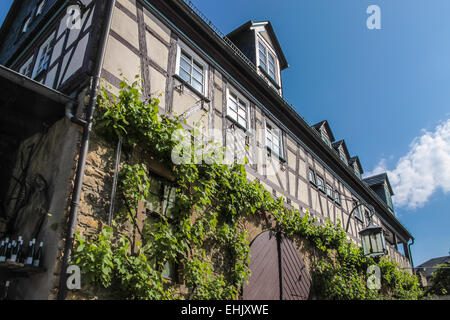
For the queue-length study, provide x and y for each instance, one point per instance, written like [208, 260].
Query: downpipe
[87, 127]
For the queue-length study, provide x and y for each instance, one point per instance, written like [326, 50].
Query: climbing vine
[203, 236]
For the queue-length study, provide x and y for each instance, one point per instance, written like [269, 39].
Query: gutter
[73, 214]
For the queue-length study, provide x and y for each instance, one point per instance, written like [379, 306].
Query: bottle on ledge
[3, 251]
[8, 252]
[38, 255]
[29, 259]
[12, 255]
[18, 253]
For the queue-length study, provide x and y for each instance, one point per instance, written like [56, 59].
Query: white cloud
[423, 170]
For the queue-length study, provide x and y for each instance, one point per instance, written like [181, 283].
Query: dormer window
[343, 157]
[388, 198]
[40, 7]
[267, 61]
[26, 24]
[356, 169]
[325, 139]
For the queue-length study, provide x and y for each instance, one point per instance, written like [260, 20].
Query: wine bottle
[8, 252]
[19, 250]
[29, 259]
[3, 251]
[13, 254]
[38, 255]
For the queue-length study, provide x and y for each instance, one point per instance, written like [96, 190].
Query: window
[43, 59]
[358, 212]
[237, 108]
[26, 67]
[329, 191]
[192, 69]
[26, 24]
[343, 157]
[358, 174]
[326, 140]
[40, 7]
[267, 61]
[274, 139]
[160, 203]
[337, 197]
[388, 198]
[320, 185]
[312, 177]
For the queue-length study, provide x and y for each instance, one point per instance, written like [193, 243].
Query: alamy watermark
[374, 20]
[73, 17]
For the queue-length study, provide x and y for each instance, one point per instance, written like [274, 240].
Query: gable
[265, 30]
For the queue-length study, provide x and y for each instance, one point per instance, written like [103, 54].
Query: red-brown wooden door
[278, 272]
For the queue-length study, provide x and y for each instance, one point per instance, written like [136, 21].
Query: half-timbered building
[56, 170]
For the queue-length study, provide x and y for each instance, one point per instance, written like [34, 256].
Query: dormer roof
[339, 143]
[262, 25]
[324, 124]
[378, 180]
[356, 159]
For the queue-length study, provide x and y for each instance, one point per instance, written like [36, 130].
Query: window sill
[188, 85]
[240, 126]
[281, 158]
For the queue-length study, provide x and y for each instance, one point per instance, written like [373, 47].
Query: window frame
[330, 188]
[326, 139]
[321, 187]
[48, 45]
[388, 196]
[356, 170]
[164, 195]
[343, 157]
[26, 24]
[312, 174]
[337, 199]
[358, 214]
[39, 8]
[195, 58]
[260, 41]
[270, 123]
[233, 92]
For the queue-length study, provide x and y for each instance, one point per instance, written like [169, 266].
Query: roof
[29, 105]
[379, 179]
[428, 267]
[268, 26]
[356, 158]
[337, 144]
[319, 125]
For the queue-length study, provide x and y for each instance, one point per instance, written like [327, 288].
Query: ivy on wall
[204, 236]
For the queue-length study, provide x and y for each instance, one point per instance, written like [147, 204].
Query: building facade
[231, 84]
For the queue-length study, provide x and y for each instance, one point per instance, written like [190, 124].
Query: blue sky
[386, 92]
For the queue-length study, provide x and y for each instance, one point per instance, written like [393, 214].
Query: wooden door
[278, 272]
